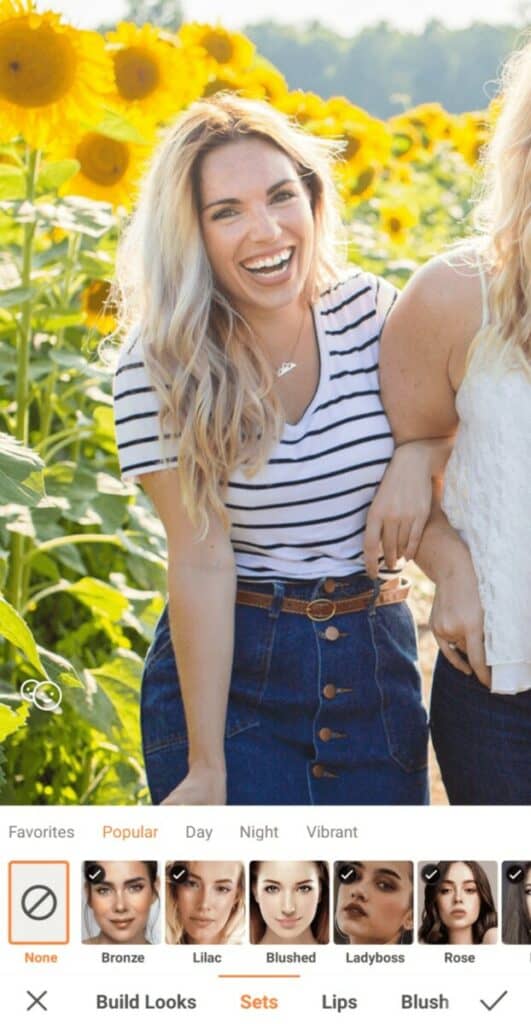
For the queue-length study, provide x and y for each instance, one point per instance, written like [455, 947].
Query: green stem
[18, 543]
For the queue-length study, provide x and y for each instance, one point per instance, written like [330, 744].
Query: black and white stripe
[304, 514]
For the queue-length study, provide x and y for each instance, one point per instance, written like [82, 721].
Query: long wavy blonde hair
[233, 932]
[215, 387]
[504, 217]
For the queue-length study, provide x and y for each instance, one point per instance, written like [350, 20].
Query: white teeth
[269, 261]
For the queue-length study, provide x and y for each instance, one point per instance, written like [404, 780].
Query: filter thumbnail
[121, 902]
[205, 902]
[373, 902]
[289, 902]
[458, 900]
[516, 892]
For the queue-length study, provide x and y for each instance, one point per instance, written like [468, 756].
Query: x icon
[37, 1000]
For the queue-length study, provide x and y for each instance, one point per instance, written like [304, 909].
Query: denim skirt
[319, 712]
[482, 740]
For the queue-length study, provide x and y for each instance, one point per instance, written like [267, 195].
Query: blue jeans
[482, 739]
[316, 715]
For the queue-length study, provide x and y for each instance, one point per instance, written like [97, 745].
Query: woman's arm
[201, 590]
[423, 355]
[401, 506]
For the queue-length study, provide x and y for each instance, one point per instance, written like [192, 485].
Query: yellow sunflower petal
[98, 309]
[50, 73]
[154, 74]
[222, 47]
[110, 168]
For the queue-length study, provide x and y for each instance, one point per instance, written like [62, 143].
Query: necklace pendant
[285, 368]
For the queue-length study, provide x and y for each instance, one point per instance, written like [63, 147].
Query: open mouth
[268, 266]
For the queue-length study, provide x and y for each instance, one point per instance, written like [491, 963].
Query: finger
[390, 543]
[414, 538]
[476, 657]
[371, 546]
[453, 655]
[404, 532]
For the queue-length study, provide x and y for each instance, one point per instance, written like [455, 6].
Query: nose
[264, 226]
[458, 896]
[203, 900]
[119, 901]
[358, 890]
[287, 905]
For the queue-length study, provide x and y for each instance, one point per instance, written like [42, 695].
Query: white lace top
[487, 497]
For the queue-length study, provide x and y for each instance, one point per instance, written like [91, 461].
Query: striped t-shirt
[303, 515]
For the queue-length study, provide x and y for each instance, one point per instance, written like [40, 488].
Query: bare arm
[424, 348]
[201, 589]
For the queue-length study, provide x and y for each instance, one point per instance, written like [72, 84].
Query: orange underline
[258, 975]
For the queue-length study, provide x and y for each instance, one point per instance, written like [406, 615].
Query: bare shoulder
[445, 292]
[490, 937]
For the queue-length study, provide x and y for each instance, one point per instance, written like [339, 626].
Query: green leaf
[58, 669]
[116, 126]
[15, 630]
[14, 297]
[11, 720]
[103, 600]
[75, 213]
[54, 174]
[12, 182]
[21, 478]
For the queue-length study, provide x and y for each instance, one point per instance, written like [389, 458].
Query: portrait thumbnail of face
[121, 902]
[289, 902]
[517, 903]
[374, 902]
[459, 906]
[205, 902]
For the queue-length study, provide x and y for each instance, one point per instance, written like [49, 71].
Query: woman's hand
[457, 617]
[402, 504]
[204, 784]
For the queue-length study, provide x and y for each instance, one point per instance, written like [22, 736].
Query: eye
[444, 890]
[222, 888]
[103, 890]
[385, 886]
[191, 883]
[271, 889]
[471, 892]
[137, 887]
[305, 888]
[225, 213]
[283, 194]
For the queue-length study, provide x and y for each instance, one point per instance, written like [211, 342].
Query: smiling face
[377, 906]
[207, 899]
[458, 900]
[257, 225]
[288, 895]
[121, 901]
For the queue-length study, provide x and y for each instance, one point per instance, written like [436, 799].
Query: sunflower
[50, 73]
[473, 131]
[407, 139]
[230, 80]
[110, 168]
[221, 47]
[432, 122]
[396, 219]
[154, 75]
[305, 107]
[98, 308]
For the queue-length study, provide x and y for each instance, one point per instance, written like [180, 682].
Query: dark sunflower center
[137, 72]
[37, 65]
[103, 160]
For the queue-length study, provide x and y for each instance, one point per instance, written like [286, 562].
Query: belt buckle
[328, 609]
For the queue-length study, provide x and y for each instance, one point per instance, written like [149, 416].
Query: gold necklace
[288, 365]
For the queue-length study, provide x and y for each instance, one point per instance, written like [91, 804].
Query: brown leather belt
[323, 608]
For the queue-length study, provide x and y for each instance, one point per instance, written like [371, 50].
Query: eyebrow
[138, 878]
[216, 880]
[302, 881]
[378, 871]
[237, 202]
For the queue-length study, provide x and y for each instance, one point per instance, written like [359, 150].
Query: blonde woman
[247, 404]
[205, 902]
[457, 352]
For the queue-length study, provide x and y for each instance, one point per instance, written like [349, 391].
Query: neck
[277, 328]
[460, 936]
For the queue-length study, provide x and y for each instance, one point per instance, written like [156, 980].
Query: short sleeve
[136, 417]
[385, 295]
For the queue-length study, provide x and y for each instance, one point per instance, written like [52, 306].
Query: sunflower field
[82, 557]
